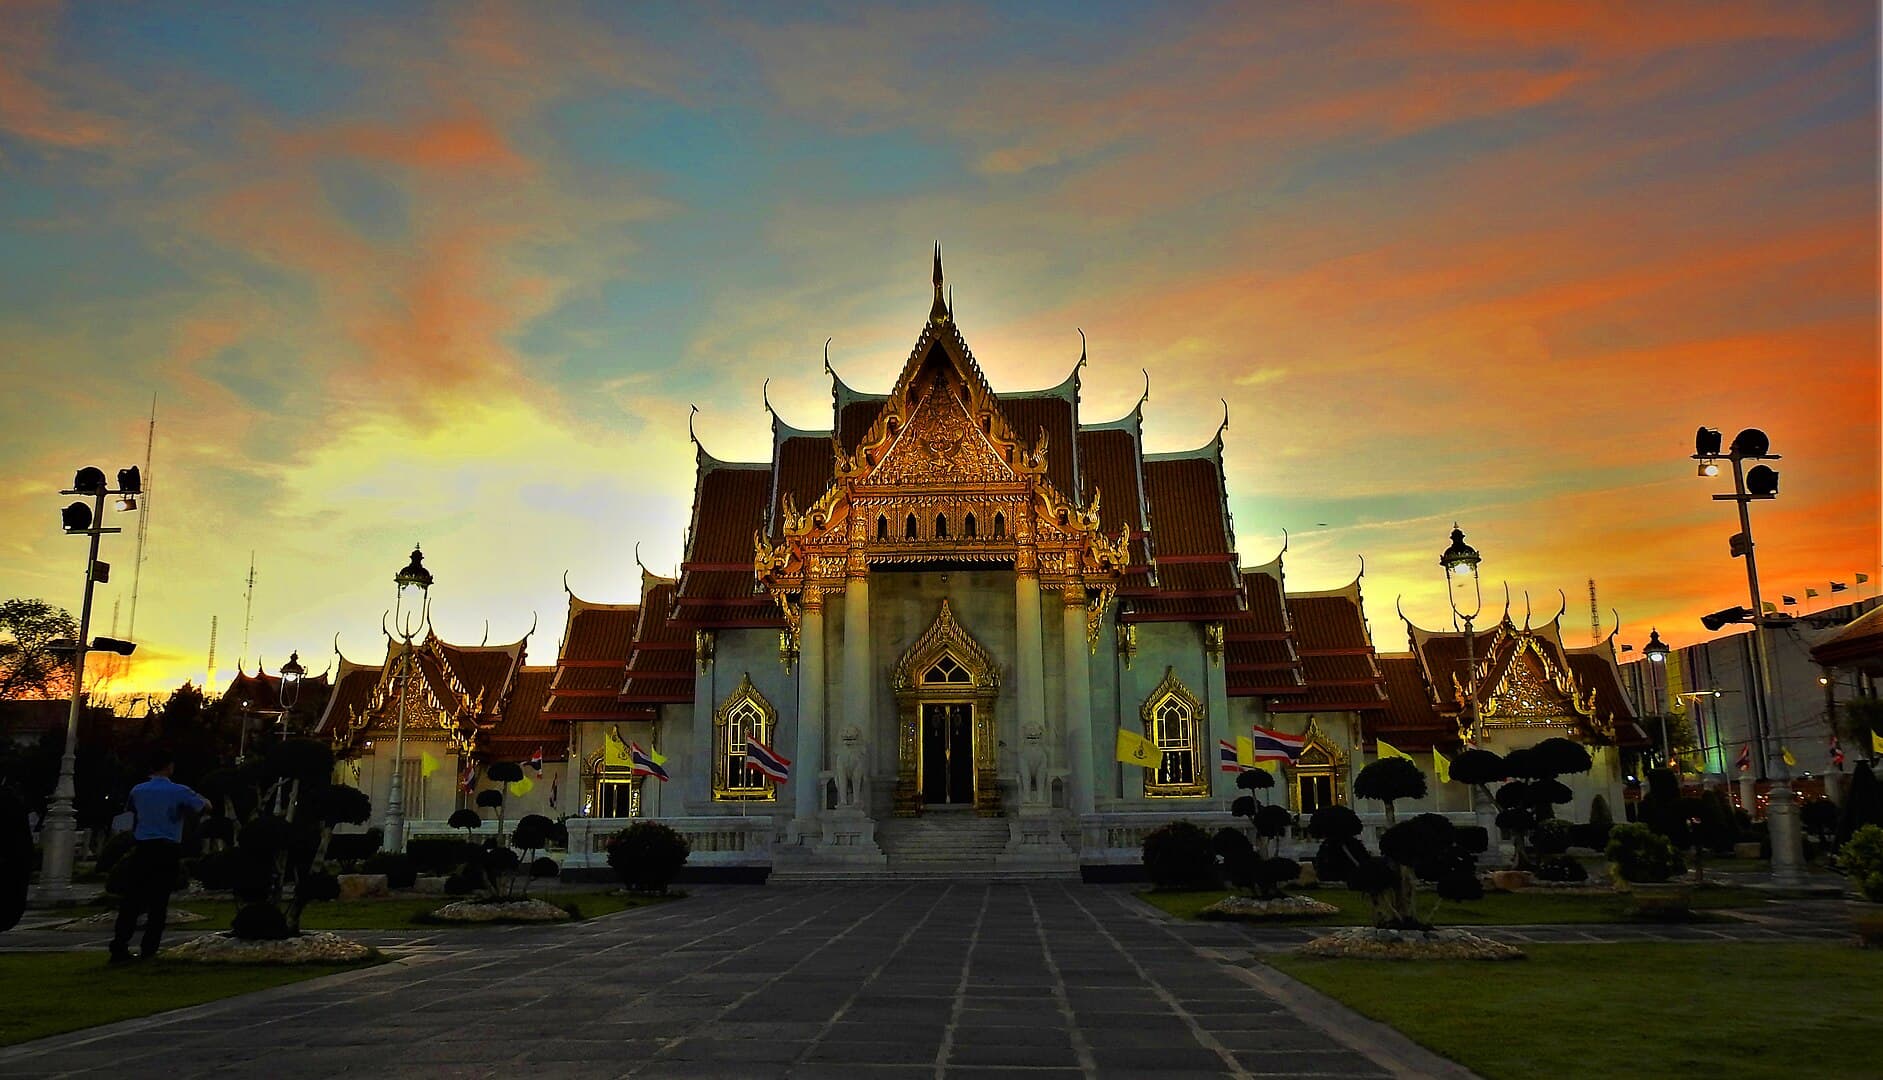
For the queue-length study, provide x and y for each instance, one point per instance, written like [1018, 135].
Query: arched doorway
[946, 685]
[1318, 778]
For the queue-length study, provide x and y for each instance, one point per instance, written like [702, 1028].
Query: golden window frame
[1321, 757]
[725, 787]
[1172, 691]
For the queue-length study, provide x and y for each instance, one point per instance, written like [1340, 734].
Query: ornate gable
[941, 445]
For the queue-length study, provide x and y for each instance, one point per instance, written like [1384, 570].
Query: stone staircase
[941, 845]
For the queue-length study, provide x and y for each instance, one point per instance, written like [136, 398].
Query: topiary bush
[1561, 869]
[648, 856]
[1643, 856]
[440, 854]
[1861, 859]
[1389, 780]
[1177, 855]
[399, 869]
[355, 847]
[1549, 838]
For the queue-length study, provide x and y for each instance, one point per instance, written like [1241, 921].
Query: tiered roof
[263, 691]
[483, 697]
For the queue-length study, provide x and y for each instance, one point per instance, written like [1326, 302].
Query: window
[941, 526]
[947, 671]
[1000, 525]
[1173, 720]
[617, 798]
[412, 787]
[967, 527]
[908, 528]
[744, 715]
[882, 527]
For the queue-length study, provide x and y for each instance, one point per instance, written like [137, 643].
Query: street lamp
[1758, 482]
[1656, 651]
[78, 519]
[1460, 561]
[410, 624]
[290, 687]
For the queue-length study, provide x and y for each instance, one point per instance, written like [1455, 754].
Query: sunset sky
[455, 272]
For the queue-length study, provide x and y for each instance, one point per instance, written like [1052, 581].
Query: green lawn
[1496, 909]
[1731, 1009]
[54, 992]
[401, 912]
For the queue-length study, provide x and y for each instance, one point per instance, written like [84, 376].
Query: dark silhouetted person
[159, 804]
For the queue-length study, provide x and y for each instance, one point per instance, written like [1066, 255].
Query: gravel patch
[478, 911]
[320, 948]
[110, 918]
[1248, 907]
[1372, 943]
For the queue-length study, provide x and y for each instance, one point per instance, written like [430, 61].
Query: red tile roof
[1186, 496]
[1109, 464]
[593, 663]
[855, 418]
[523, 727]
[730, 505]
[1409, 721]
[353, 689]
[660, 669]
[804, 470]
[1057, 417]
[1337, 659]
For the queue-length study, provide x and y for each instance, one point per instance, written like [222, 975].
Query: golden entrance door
[947, 753]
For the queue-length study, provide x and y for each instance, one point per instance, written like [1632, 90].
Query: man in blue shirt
[159, 804]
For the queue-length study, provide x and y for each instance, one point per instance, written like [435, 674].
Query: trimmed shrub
[1593, 836]
[648, 856]
[1561, 868]
[355, 847]
[1599, 814]
[399, 869]
[1388, 781]
[1179, 856]
[260, 921]
[1549, 838]
[1862, 861]
[214, 871]
[440, 854]
[1643, 856]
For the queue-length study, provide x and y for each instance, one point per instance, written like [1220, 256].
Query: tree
[1425, 848]
[281, 808]
[1388, 780]
[1533, 791]
[1863, 802]
[648, 855]
[1258, 866]
[29, 668]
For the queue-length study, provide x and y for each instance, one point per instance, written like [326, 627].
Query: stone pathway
[1039, 980]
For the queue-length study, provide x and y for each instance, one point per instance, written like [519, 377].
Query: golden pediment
[941, 445]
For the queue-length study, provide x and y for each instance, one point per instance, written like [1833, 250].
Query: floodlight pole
[61, 830]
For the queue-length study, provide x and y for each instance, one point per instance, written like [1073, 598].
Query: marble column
[1029, 648]
[1078, 678]
[809, 757]
[1216, 719]
[858, 665]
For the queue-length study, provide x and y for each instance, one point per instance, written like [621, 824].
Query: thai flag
[1837, 752]
[1226, 751]
[766, 760]
[536, 762]
[1277, 745]
[1744, 764]
[646, 764]
[467, 780]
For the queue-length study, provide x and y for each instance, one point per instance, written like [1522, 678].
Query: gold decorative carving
[1213, 641]
[748, 708]
[1320, 757]
[704, 645]
[1127, 642]
[1095, 617]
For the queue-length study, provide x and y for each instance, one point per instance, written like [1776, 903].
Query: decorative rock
[1248, 907]
[110, 918]
[1309, 876]
[1372, 943]
[430, 884]
[1512, 880]
[359, 886]
[483, 911]
[321, 948]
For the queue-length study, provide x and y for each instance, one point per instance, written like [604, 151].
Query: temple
[942, 607]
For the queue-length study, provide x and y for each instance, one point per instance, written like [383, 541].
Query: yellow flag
[1386, 750]
[1440, 767]
[659, 758]
[1785, 752]
[1245, 751]
[615, 752]
[427, 764]
[522, 787]
[1876, 743]
[1135, 749]
[1269, 765]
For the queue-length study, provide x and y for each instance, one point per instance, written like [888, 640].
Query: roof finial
[764, 395]
[1081, 348]
[1224, 426]
[938, 311]
[828, 370]
[1146, 396]
[693, 411]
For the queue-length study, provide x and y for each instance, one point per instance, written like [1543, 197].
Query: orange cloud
[29, 108]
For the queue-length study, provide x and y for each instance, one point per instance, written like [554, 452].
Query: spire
[938, 311]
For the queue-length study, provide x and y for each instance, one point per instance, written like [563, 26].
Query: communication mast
[248, 611]
[1595, 617]
[143, 521]
[209, 677]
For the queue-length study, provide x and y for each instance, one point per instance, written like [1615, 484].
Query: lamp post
[1759, 482]
[290, 687]
[413, 576]
[1460, 561]
[61, 831]
[1656, 651]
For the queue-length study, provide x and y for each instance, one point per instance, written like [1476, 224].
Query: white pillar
[859, 688]
[1078, 678]
[810, 747]
[1216, 726]
[1029, 648]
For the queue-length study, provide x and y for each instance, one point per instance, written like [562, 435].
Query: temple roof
[1337, 659]
[595, 646]
[660, 666]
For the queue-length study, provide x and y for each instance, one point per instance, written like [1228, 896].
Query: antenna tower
[209, 677]
[143, 522]
[1595, 617]
[248, 611]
